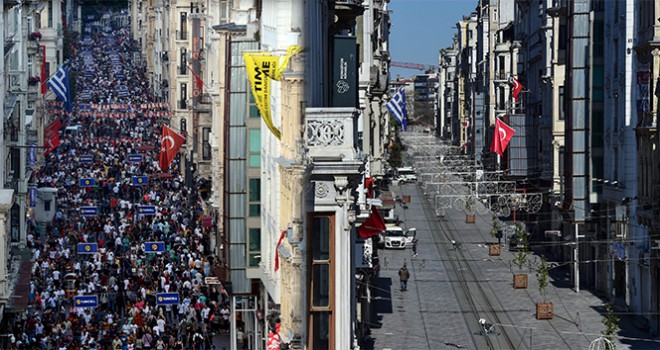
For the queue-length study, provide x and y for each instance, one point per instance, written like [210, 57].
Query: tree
[542, 276]
[69, 40]
[611, 323]
[495, 226]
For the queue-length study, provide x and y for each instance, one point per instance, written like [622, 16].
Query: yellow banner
[290, 52]
[260, 66]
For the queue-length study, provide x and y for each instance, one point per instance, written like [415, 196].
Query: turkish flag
[198, 80]
[369, 185]
[277, 254]
[374, 224]
[517, 88]
[170, 143]
[52, 135]
[501, 137]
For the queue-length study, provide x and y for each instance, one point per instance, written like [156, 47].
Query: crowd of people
[125, 278]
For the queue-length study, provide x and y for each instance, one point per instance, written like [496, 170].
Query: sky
[420, 28]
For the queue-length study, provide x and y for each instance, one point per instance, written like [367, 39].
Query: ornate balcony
[330, 134]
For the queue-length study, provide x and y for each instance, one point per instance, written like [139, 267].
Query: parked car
[396, 238]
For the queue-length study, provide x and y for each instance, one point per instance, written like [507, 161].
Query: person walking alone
[414, 244]
[404, 274]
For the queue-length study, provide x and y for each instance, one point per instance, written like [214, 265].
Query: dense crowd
[115, 123]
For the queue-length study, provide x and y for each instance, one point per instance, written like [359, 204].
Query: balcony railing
[330, 133]
[181, 35]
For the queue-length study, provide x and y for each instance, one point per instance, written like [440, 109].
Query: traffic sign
[85, 158]
[88, 248]
[87, 182]
[88, 211]
[135, 158]
[86, 300]
[147, 210]
[140, 180]
[167, 299]
[154, 247]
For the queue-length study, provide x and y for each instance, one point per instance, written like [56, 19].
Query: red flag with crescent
[517, 88]
[501, 137]
[170, 143]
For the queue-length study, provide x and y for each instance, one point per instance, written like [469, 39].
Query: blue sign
[167, 299]
[135, 158]
[86, 158]
[87, 182]
[154, 247]
[88, 248]
[140, 180]
[147, 209]
[32, 195]
[86, 300]
[88, 211]
[32, 155]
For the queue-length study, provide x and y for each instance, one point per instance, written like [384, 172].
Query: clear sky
[420, 28]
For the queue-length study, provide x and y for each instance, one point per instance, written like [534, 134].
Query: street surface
[451, 287]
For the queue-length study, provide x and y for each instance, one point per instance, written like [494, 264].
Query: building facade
[645, 98]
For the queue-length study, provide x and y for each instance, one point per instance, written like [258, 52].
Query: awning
[19, 296]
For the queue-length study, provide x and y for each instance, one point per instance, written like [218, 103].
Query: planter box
[494, 249]
[470, 218]
[544, 311]
[520, 281]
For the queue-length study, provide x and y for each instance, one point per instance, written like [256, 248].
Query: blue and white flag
[397, 107]
[59, 83]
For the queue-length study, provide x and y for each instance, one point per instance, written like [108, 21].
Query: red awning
[19, 297]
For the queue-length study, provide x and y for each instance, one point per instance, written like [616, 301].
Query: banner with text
[260, 66]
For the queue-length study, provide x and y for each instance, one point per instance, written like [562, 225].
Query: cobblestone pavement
[439, 310]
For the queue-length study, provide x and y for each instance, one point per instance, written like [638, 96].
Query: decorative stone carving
[341, 182]
[321, 190]
[325, 133]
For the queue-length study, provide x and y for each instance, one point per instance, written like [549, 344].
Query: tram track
[481, 303]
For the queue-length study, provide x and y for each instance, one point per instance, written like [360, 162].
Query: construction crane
[409, 65]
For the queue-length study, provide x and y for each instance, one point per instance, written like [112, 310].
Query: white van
[394, 237]
[406, 174]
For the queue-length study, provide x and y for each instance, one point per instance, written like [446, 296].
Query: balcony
[501, 76]
[330, 134]
[32, 47]
[181, 35]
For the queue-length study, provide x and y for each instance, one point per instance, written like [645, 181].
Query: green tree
[542, 276]
[495, 226]
[611, 323]
[396, 152]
